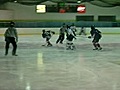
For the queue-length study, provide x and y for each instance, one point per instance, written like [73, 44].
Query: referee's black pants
[13, 42]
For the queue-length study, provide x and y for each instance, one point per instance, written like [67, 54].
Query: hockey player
[69, 43]
[61, 35]
[69, 30]
[47, 35]
[73, 28]
[11, 36]
[70, 37]
[96, 34]
[82, 31]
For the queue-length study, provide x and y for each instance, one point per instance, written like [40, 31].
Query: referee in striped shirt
[11, 36]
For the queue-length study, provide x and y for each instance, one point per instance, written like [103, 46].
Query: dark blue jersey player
[96, 34]
[47, 35]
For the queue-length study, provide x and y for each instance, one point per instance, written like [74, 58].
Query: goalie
[96, 35]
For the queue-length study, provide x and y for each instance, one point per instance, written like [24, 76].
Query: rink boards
[37, 31]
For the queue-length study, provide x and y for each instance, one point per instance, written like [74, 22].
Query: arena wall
[24, 12]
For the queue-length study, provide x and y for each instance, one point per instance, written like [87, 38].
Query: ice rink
[54, 68]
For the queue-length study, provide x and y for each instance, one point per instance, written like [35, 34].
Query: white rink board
[34, 31]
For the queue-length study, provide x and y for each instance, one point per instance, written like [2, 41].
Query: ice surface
[54, 68]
